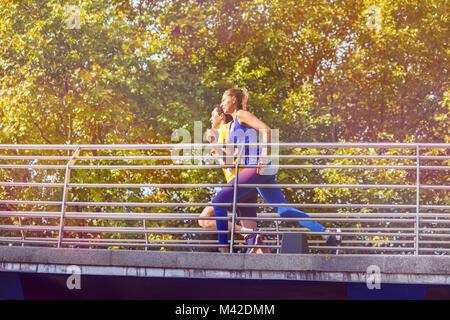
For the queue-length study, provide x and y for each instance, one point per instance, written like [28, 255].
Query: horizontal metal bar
[332, 145]
[366, 215]
[131, 242]
[343, 229]
[434, 250]
[400, 249]
[44, 203]
[23, 157]
[196, 217]
[35, 228]
[32, 184]
[209, 157]
[358, 205]
[215, 166]
[434, 167]
[361, 230]
[141, 230]
[435, 221]
[149, 245]
[118, 241]
[435, 229]
[266, 241]
[112, 244]
[177, 204]
[280, 185]
[422, 186]
[280, 156]
[32, 166]
[137, 230]
[381, 234]
[322, 245]
[434, 157]
[216, 185]
[434, 242]
[355, 215]
[22, 241]
[261, 215]
[341, 248]
[29, 240]
[112, 216]
[39, 146]
[136, 240]
[158, 204]
[190, 245]
[30, 214]
[391, 242]
[157, 217]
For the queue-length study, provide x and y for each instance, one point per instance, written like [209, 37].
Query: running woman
[244, 129]
[219, 122]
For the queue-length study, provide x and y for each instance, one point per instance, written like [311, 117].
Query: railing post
[146, 235]
[416, 242]
[65, 192]
[233, 217]
[277, 229]
[22, 232]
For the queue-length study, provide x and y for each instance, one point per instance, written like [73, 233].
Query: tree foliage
[135, 71]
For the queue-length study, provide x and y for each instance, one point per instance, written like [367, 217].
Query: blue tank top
[244, 134]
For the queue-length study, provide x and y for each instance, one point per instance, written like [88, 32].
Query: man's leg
[211, 224]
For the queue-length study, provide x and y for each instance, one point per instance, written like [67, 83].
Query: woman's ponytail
[241, 96]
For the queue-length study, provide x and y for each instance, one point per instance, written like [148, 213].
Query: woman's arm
[250, 120]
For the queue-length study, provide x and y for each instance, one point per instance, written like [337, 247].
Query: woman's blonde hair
[241, 96]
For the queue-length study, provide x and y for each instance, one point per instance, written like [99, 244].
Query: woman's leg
[270, 195]
[275, 195]
[249, 212]
[226, 196]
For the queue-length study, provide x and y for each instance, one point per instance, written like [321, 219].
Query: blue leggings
[270, 195]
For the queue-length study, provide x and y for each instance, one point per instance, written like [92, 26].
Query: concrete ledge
[352, 268]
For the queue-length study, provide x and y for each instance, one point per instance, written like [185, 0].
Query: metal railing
[418, 225]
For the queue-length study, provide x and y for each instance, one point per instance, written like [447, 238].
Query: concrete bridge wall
[187, 275]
